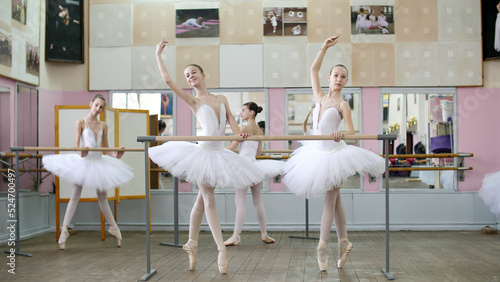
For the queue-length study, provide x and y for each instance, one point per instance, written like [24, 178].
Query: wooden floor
[415, 256]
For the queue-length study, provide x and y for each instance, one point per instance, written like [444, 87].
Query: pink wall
[277, 126]
[6, 112]
[184, 127]
[370, 100]
[478, 132]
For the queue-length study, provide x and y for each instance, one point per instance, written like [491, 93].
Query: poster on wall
[64, 31]
[372, 19]
[491, 29]
[284, 21]
[5, 49]
[166, 105]
[194, 23]
[295, 21]
[19, 11]
[32, 59]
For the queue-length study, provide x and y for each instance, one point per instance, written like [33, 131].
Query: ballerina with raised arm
[320, 167]
[207, 164]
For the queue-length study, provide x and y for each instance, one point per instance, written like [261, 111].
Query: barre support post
[150, 272]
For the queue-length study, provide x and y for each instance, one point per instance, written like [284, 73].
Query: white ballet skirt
[382, 21]
[321, 165]
[490, 192]
[207, 163]
[270, 168]
[94, 171]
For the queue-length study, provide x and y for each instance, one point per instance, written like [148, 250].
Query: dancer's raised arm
[316, 66]
[186, 97]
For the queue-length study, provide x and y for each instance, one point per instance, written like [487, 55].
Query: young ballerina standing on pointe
[209, 164]
[320, 167]
[90, 169]
[249, 150]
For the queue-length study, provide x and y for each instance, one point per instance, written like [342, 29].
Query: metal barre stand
[16, 206]
[307, 225]
[176, 218]
[150, 272]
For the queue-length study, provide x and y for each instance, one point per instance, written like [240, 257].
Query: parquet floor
[414, 256]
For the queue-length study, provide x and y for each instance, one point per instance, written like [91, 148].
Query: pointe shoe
[235, 240]
[62, 239]
[115, 232]
[322, 257]
[267, 239]
[222, 261]
[343, 252]
[191, 248]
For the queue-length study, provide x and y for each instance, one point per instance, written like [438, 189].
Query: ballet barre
[65, 149]
[382, 137]
[262, 138]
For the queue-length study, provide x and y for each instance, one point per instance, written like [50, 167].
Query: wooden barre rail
[445, 155]
[55, 149]
[263, 138]
[12, 155]
[24, 170]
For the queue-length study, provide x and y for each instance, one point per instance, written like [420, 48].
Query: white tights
[205, 203]
[102, 197]
[240, 208]
[333, 208]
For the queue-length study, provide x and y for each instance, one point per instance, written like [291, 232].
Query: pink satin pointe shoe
[115, 232]
[267, 239]
[191, 249]
[322, 257]
[235, 240]
[344, 248]
[222, 261]
[62, 239]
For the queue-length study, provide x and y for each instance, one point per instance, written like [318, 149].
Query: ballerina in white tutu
[271, 168]
[320, 167]
[90, 169]
[208, 164]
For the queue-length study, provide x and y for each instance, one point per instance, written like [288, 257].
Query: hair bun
[259, 109]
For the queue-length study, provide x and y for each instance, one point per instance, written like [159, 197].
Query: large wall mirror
[160, 105]
[423, 120]
[300, 103]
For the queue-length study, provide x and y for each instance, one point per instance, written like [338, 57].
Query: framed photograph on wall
[197, 23]
[166, 105]
[64, 31]
[491, 29]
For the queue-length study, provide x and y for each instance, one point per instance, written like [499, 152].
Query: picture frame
[490, 10]
[64, 31]
[195, 23]
[166, 105]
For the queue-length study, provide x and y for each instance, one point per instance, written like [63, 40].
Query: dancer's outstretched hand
[160, 46]
[331, 41]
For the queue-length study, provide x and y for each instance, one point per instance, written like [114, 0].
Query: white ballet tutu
[490, 192]
[270, 168]
[311, 170]
[100, 173]
[206, 165]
